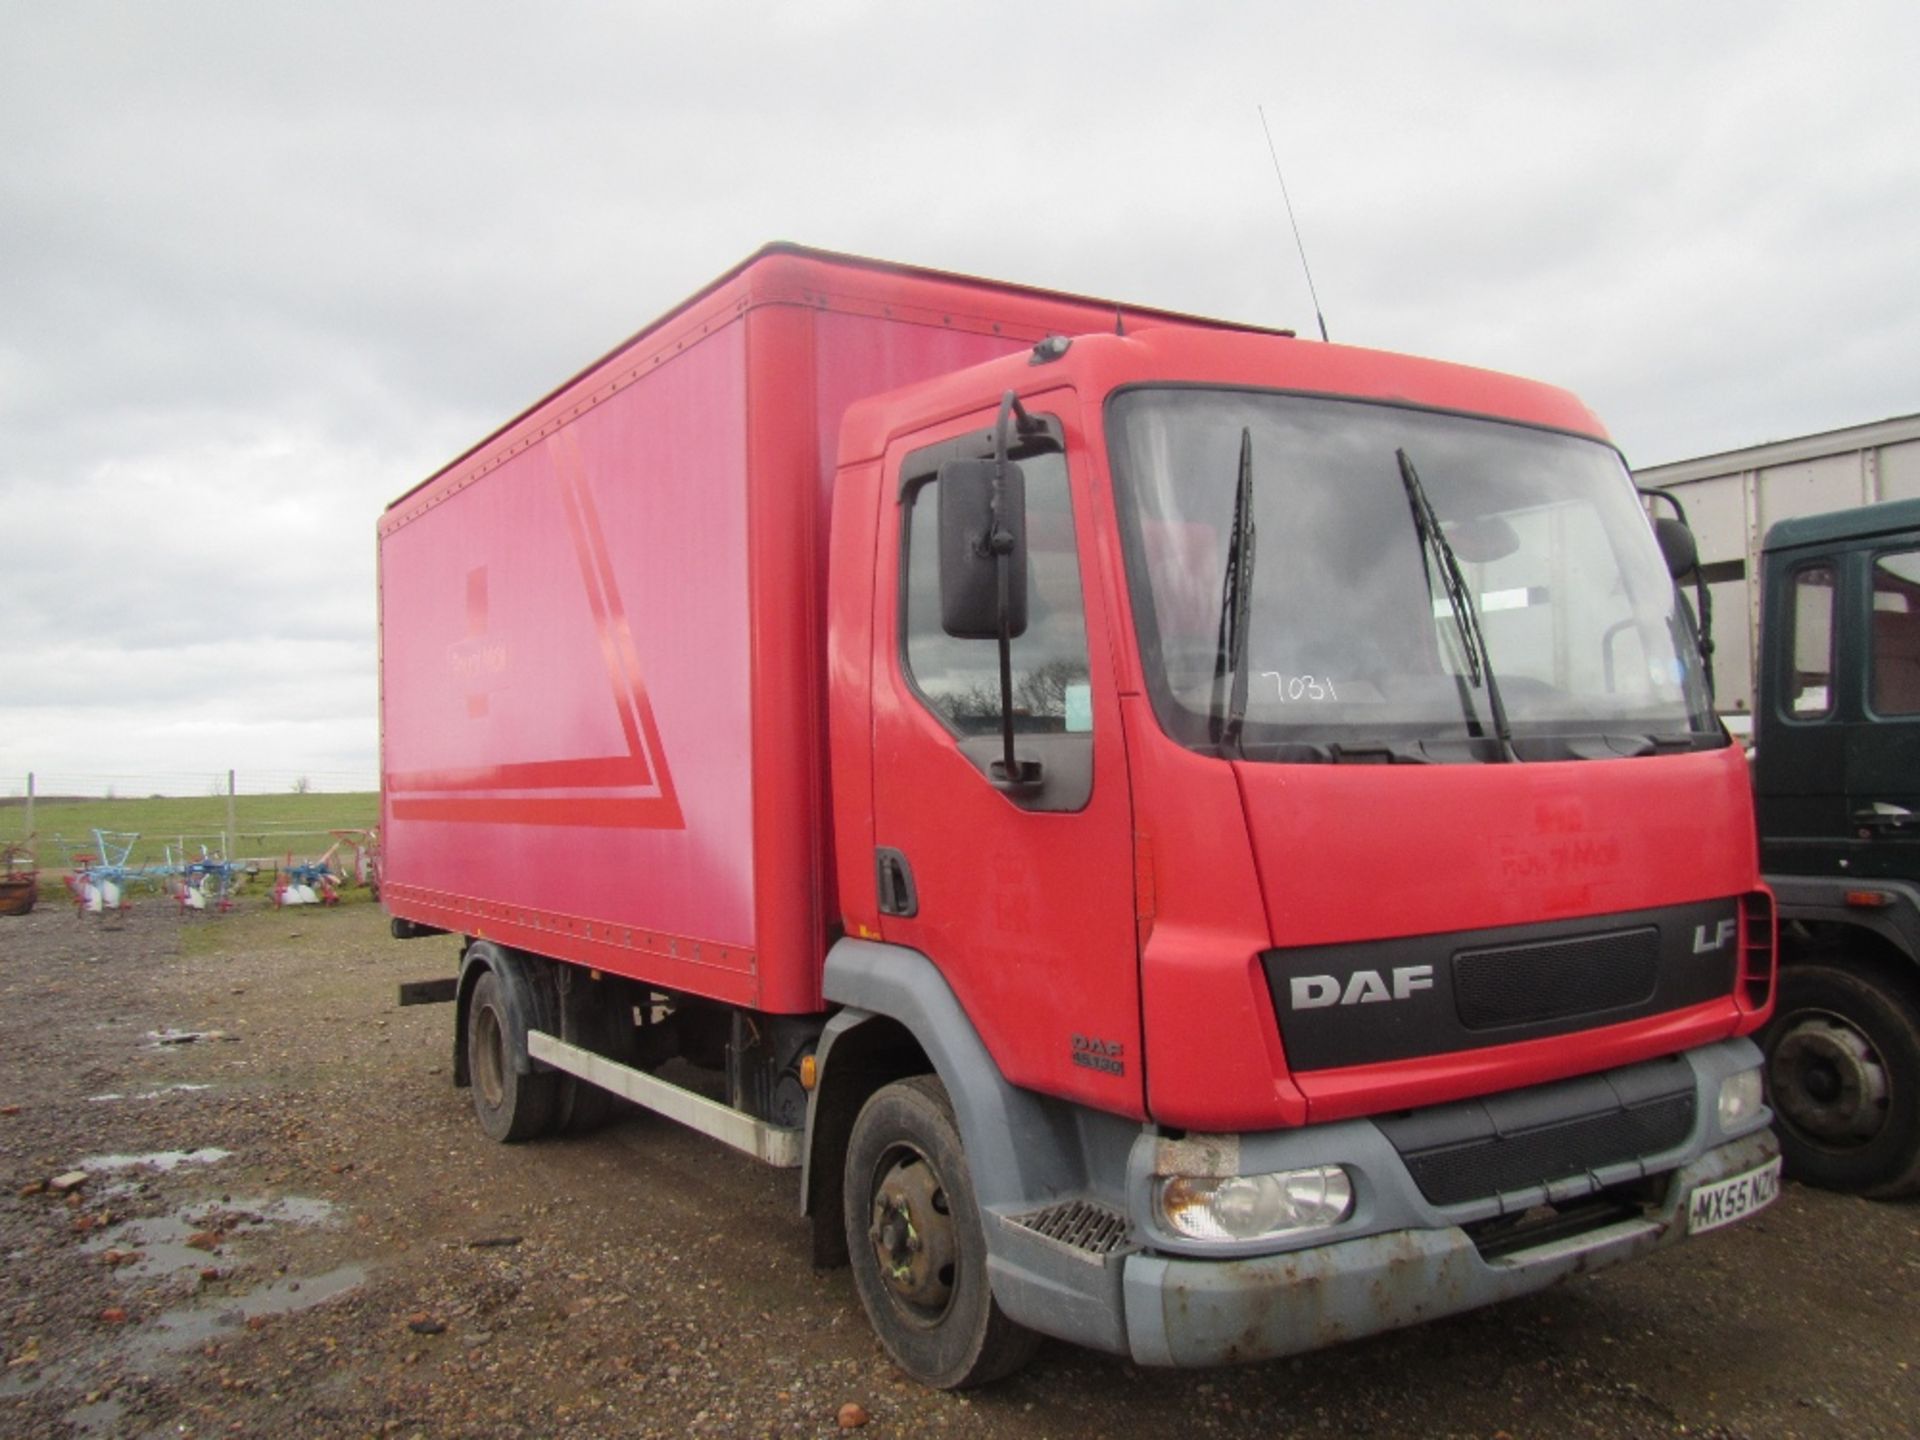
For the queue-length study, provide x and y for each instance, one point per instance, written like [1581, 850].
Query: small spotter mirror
[1677, 545]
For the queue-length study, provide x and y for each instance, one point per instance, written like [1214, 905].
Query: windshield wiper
[1466, 618]
[1236, 603]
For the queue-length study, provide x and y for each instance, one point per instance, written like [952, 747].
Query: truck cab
[1339, 881]
[1837, 798]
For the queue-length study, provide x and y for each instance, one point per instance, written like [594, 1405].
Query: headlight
[1739, 1098]
[1254, 1207]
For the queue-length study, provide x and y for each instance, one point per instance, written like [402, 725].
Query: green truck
[1818, 665]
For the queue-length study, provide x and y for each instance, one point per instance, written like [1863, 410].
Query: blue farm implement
[102, 880]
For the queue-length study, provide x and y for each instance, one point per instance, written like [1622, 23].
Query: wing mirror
[1482, 540]
[980, 522]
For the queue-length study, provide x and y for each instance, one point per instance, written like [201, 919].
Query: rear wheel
[582, 1107]
[915, 1239]
[510, 1106]
[1843, 1077]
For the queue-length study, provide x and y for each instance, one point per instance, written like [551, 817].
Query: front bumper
[1209, 1312]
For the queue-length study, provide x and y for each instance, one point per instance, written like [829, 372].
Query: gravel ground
[291, 1226]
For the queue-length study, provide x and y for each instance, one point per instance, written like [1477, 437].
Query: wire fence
[267, 820]
[182, 784]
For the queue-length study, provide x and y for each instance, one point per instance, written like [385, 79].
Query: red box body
[603, 636]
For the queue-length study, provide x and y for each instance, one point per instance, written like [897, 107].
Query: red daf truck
[1192, 841]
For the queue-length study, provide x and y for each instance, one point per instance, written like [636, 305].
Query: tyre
[582, 1107]
[1843, 1077]
[511, 1107]
[918, 1250]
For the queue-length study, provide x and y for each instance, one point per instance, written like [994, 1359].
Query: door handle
[1887, 819]
[893, 880]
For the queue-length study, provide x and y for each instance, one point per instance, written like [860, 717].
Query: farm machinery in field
[19, 878]
[352, 859]
[102, 880]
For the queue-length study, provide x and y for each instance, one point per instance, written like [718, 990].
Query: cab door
[1807, 696]
[1883, 743]
[1024, 898]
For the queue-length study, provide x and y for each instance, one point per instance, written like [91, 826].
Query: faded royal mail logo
[478, 660]
[634, 788]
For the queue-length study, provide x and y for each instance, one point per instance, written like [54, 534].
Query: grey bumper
[1210, 1312]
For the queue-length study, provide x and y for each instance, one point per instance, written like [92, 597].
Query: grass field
[270, 825]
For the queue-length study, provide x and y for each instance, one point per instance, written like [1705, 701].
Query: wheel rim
[912, 1234]
[1828, 1081]
[489, 1071]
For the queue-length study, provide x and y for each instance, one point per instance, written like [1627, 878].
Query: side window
[960, 679]
[1809, 688]
[1896, 633]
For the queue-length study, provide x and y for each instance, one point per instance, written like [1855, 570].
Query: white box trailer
[1732, 498]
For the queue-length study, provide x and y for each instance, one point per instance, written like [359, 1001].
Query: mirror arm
[1009, 772]
[1703, 600]
[997, 541]
[1009, 765]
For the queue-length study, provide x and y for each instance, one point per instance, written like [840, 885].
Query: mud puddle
[113, 1096]
[164, 1161]
[167, 1038]
[189, 1249]
[194, 1236]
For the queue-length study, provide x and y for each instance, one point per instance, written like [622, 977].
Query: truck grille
[1363, 1002]
[1474, 1149]
[1555, 980]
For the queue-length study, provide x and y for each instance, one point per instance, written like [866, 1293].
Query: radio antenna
[1298, 245]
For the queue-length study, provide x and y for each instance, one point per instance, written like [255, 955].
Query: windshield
[1355, 645]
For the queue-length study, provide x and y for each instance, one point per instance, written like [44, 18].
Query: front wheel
[1843, 1076]
[918, 1250]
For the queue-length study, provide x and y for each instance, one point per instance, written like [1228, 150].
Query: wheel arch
[899, 1017]
[529, 1003]
[858, 1053]
[1816, 923]
[1874, 947]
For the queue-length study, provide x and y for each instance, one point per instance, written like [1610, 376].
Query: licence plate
[1726, 1201]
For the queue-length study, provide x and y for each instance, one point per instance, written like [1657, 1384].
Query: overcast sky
[263, 267]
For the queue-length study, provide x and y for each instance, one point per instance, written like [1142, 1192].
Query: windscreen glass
[1303, 548]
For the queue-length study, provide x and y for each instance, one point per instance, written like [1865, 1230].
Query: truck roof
[1235, 357]
[1860, 523]
[785, 273]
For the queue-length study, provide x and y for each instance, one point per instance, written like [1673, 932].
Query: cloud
[263, 269]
